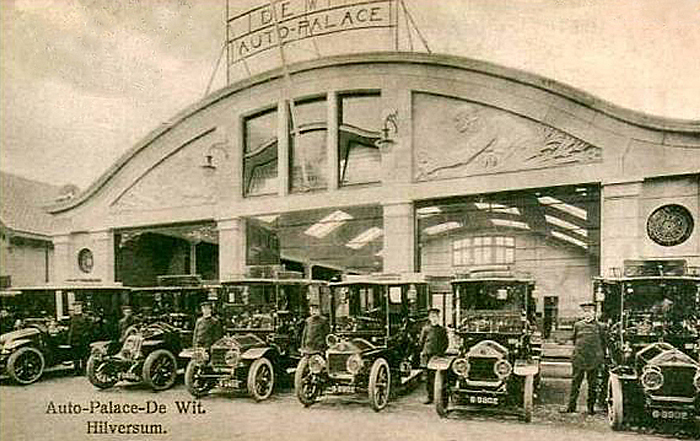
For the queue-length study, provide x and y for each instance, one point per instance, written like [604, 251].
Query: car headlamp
[460, 367]
[331, 340]
[232, 356]
[200, 355]
[502, 368]
[652, 379]
[316, 364]
[696, 381]
[354, 364]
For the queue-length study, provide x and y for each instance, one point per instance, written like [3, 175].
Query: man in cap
[126, 321]
[79, 336]
[432, 341]
[316, 328]
[588, 357]
[208, 329]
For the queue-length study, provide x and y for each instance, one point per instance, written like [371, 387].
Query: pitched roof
[22, 201]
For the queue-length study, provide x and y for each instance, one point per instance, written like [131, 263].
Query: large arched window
[260, 154]
[359, 159]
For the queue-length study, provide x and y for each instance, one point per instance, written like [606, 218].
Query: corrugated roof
[22, 201]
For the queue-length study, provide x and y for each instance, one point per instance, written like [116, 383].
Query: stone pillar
[332, 140]
[283, 148]
[103, 253]
[62, 258]
[232, 248]
[399, 233]
[620, 233]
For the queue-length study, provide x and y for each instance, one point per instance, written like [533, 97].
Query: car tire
[96, 374]
[379, 389]
[442, 398]
[305, 387]
[160, 370]
[616, 415]
[528, 397]
[261, 379]
[26, 365]
[196, 385]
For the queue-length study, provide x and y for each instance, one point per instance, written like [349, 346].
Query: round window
[670, 225]
[85, 260]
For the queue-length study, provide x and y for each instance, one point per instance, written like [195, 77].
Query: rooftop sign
[263, 28]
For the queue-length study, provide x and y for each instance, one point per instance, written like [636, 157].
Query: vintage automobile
[372, 348]
[653, 314]
[495, 356]
[263, 320]
[41, 316]
[148, 352]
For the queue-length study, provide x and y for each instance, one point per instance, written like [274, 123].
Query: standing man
[588, 357]
[433, 341]
[316, 328]
[208, 329]
[126, 321]
[79, 336]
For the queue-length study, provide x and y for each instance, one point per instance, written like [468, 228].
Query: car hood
[241, 341]
[18, 334]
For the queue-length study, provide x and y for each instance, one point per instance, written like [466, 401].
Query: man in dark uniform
[316, 328]
[79, 336]
[433, 341]
[208, 329]
[126, 321]
[588, 357]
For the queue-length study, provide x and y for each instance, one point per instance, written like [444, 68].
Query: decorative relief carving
[456, 138]
[176, 181]
[670, 225]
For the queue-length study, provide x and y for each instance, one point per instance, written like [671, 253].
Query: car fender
[152, 343]
[255, 353]
[16, 344]
[525, 368]
[440, 363]
[101, 347]
[187, 353]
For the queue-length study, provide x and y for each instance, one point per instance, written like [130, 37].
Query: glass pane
[308, 149]
[260, 154]
[359, 157]
[361, 111]
[359, 163]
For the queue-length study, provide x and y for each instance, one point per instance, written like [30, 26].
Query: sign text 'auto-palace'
[257, 30]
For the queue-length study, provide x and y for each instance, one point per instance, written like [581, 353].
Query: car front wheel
[379, 384]
[160, 369]
[615, 403]
[261, 379]
[442, 397]
[26, 365]
[196, 383]
[528, 395]
[306, 388]
[99, 373]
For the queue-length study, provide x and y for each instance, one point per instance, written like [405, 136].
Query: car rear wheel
[195, 382]
[528, 396]
[26, 365]
[261, 379]
[442, 397]
[379, 384]
[306, 388]
[615, 403]
[99, 374]
[160, 369]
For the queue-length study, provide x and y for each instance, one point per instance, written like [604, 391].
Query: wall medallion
[670, 225]
[85, 260]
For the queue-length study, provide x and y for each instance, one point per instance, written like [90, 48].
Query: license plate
[670, 414]
[233, 384]
[482, 400]
[343, 389]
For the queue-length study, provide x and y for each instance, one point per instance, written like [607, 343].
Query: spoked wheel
[306, 387]
[615, 403]
[442, 396]
[528, 395]
[99, 373]
[379, 384]
[261, 379]
[160, 369]
[195, 382]
[26, 365]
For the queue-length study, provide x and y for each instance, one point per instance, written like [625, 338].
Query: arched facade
[399, 162]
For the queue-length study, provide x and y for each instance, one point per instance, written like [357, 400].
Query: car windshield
[490, 306]
[249, 306]
[359, 307]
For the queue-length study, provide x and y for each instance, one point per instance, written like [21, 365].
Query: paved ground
[26, 414]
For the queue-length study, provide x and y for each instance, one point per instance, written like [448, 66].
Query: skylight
[268, 218]
[570, 239]
[497, 208]
[428, 211]
[566, 225]
[441, 228]
[560, 205]
[510, 223]
[329, 223]
[364, 238]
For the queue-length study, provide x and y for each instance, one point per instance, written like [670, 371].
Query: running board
[415, 373]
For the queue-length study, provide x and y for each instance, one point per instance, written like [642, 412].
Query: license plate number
[234, 384]
[344, 389]
[670, 414]
[480, 399]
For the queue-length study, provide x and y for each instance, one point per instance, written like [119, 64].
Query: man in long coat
[79, 336]
[316, 328]
[208, 329]
[432, 341]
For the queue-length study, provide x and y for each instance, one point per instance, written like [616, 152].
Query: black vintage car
[41, 320]
[653, 315]
[494, 361]
[148, 351]
[263, 321]
[373, 345]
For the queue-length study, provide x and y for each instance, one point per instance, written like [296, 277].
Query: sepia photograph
[329, 220]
